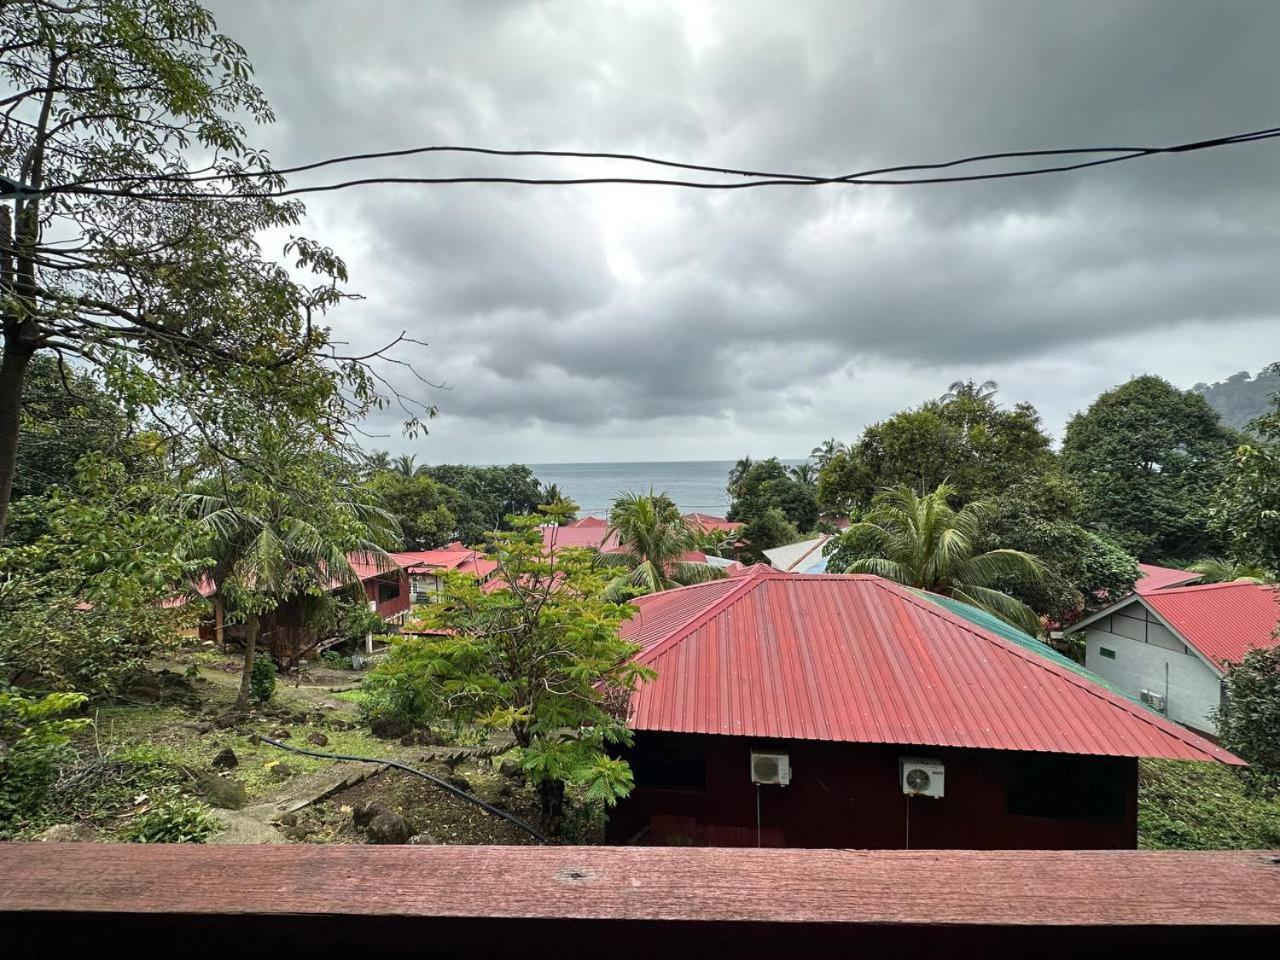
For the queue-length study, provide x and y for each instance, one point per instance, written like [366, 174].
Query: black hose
[541, 838]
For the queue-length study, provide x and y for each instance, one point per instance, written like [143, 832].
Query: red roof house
[426, 568]
[856, 682]
[707, 522]
[1172, 646]
[1153, 578]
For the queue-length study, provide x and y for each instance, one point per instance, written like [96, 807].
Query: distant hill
[1241, 397]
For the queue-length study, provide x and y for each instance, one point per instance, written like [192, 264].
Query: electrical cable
[540, 837]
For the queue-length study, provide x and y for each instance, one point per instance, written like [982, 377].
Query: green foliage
[1246, 506]
[765, 531]
[768, 484]
[541, 658]
[177, 820]
[423, 507]
[33, 744]
[654, 536]
[1249, 718]
[1147, 457]
[1189, 805]
[80, 605]
[486, 495]
[262, 680]
[554, 502]
[923, 542]
[1226, 570]
[1242, 398]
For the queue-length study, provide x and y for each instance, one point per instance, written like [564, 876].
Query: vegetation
[654, 537]
[760, 486]
[1225, 570]
[1188, 805]
[923, 542]
[1245, 511]
[33, 743]
[540, 658]
[262, 680]
[179, 820]
[1249, 718]
[1241, 398]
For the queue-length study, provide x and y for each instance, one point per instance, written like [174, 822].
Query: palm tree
[968, 390]
[269, 543]
[377, 462]
[804, 473]
[556, 505]
[1222, 570]
[827, 451]
[654, 536]
[922, 542]
[405, 464]
[737, 473]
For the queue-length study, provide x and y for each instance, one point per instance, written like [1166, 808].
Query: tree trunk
[13, 374]
[250, 649]
[551, 798]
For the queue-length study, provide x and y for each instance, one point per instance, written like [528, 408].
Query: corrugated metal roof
[859, 659]
[1157, 578]
[800, 557]
[1223, 621]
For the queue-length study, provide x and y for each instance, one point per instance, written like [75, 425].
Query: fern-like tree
[924, 542]
[288, 530]
[654, 537]
[1225, 570]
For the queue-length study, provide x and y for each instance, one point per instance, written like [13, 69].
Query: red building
[848, 711]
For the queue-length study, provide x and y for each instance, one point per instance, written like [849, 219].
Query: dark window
[1066, 787]
[1109, 654]
[388, 591]
[668, 762]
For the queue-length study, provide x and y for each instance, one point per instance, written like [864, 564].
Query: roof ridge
[1188, 587]
[1071, 677]
[743, 586]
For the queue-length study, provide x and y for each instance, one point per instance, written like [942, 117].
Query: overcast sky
[630, 323]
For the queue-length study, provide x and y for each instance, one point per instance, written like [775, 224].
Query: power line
[749, 178]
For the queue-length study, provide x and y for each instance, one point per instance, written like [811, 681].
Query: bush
[262, 681]
[1249, 718]
[180, 820]
[33, 745]
[1186, 805]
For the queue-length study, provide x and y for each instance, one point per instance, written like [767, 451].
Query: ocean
[696, 486]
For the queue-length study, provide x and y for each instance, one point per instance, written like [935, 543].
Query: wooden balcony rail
[473, 902]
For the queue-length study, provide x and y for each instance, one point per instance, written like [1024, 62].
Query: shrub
[1249, 718]
[1186, 805]
[262, 681]
[33, 744]
[180, 820]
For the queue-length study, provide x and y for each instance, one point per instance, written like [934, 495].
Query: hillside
[1242, 397]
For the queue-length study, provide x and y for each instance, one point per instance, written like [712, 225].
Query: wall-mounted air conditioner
[920, 777]
[1152, 699]
[770, 767]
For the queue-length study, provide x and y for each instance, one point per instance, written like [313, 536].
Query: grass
[1184, 805]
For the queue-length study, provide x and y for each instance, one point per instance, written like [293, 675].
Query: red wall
[849, 795]
[397, 604]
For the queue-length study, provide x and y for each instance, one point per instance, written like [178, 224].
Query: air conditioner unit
[770, 767]
[921, 778]
[1152, 699]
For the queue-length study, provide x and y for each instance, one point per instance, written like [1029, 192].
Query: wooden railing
[661, 903]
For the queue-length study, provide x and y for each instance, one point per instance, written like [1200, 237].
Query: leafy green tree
[486, 495]
[1226, 570]
[540, 658]
[805, 474]
[767, 530]
[768, 483]
[130, 259]
[1081, 568]
[271, 537]
[737, 473]
[1245, 510]
[34, 737]
[1249, 718]
[654, 537]
[423, 507]
[554, 501]
[923, 542]
[827, 450]
[1147, 457]
[404, 465]
[845, 483]
[1242, 398]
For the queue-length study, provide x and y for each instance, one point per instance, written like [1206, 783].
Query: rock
[459, 781]
[319, 739]
[225, 760]
[281, 771]
[389, 728]
[289, 819]
[280, 733]
[222, 791]
[364, 813]
[423, 840]
[388, 827]
[509, 768]
[69, 833]
[296, 718]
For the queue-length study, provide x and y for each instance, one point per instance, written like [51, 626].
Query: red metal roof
[1223, 621]
[708, 522]
[575, 536]
[1158, 578]
[588, 522]
[453, 557]
[859, 659]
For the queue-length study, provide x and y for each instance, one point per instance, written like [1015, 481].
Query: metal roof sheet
[1157, 578]
[1223, 621]
[860, 659]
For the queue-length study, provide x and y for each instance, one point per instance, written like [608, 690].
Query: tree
[768, 483]
[1225, 570]
[767, 530]
[1147, 457]
[123, 256]
[737, 473]
[555, 501]
[654, 537]
[824, 452]
[423, 507]
[541, 658]
[404, 465]
[923, 542]
[1249, 718]
[804, 474]
[968, 390]
[487, 495]
[1240, 398]
[273, 537]
[1245, 511]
